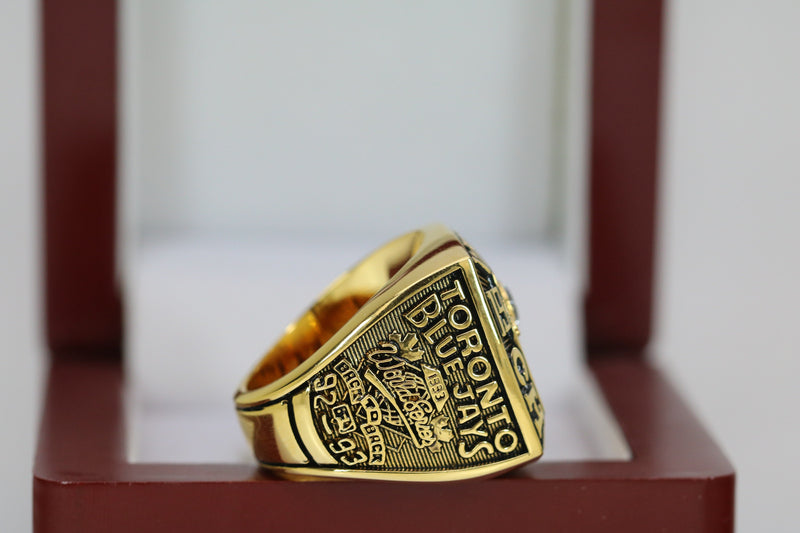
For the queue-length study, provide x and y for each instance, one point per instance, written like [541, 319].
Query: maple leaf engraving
[406, 344]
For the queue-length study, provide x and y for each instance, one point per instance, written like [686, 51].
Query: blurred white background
[728, 309]
[249, 116]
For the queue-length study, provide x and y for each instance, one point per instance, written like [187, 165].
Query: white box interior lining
[201, 312]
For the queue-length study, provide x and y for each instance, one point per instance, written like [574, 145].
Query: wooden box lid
[677, 478]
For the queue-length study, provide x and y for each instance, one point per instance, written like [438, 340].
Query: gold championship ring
[407, 368]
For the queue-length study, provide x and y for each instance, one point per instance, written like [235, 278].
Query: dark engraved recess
[419, 390]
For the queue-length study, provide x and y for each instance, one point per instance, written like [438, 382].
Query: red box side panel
[80, 157]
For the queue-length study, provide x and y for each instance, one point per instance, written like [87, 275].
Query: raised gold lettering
[452, 316]
[372, 410]
[355, 387]
[520, 366]
[440, 348]
[451, 293]
[472, 342]
[429, 308]
[463, 391]
[433, 329]
[505, 440]
[467, 413]
[358, 458]
[480, 446]
[475, 429]
[322, 384]
[451, 367]
[478, 368]
[376, 444]
[499, 417]
[487, 391]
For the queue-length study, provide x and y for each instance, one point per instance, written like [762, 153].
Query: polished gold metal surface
[407, 368]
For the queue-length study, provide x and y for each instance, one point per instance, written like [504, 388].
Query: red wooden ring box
[676, 480]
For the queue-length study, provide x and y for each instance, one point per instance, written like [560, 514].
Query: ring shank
[338, 303]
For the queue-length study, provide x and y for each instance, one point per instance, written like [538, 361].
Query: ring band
[407, 368]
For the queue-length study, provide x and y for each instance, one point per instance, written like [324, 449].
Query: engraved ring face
[432, 385]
